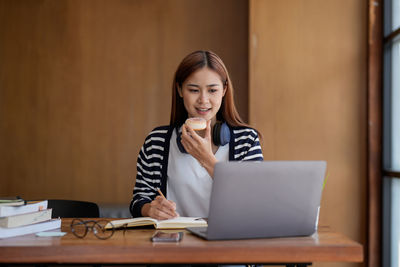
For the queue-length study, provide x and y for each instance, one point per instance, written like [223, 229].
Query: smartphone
[160, 236]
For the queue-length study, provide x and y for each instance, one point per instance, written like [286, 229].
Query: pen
[161, 194]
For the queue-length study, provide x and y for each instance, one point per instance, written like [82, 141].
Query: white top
[189, 184]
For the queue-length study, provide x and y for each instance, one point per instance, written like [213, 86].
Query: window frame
[390, 177]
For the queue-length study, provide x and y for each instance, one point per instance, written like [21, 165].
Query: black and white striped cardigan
[152, 162]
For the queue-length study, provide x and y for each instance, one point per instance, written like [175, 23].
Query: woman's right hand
[160, 209]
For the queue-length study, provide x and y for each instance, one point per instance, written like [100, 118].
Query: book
[31, 206]
[11, 201]
[175, 223]
[30, 229]
[26, 218]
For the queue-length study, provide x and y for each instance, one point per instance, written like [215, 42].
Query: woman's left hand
[200, 148]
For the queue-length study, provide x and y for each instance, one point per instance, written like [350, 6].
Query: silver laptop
[264, 199]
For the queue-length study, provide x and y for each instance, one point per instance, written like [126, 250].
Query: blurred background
[83, 82]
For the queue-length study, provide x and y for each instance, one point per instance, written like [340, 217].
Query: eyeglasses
[102, 229]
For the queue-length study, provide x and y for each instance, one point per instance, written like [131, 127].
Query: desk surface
[135, 247]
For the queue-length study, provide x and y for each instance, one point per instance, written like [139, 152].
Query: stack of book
[20, 218]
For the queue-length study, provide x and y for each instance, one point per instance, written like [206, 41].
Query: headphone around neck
[220, 135]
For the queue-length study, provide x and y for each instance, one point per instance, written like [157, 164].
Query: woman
[179, 161]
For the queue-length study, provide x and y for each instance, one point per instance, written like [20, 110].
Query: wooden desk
[136, 248]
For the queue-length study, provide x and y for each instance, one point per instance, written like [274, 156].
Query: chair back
[73, 209]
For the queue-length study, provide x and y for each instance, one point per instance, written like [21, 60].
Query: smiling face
[202, 94]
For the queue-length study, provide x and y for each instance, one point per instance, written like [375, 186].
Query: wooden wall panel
[307, 95]
[83, 82]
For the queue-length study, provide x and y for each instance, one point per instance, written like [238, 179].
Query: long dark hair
[192, 63]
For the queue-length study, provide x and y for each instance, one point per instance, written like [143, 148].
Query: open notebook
[175, 223]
